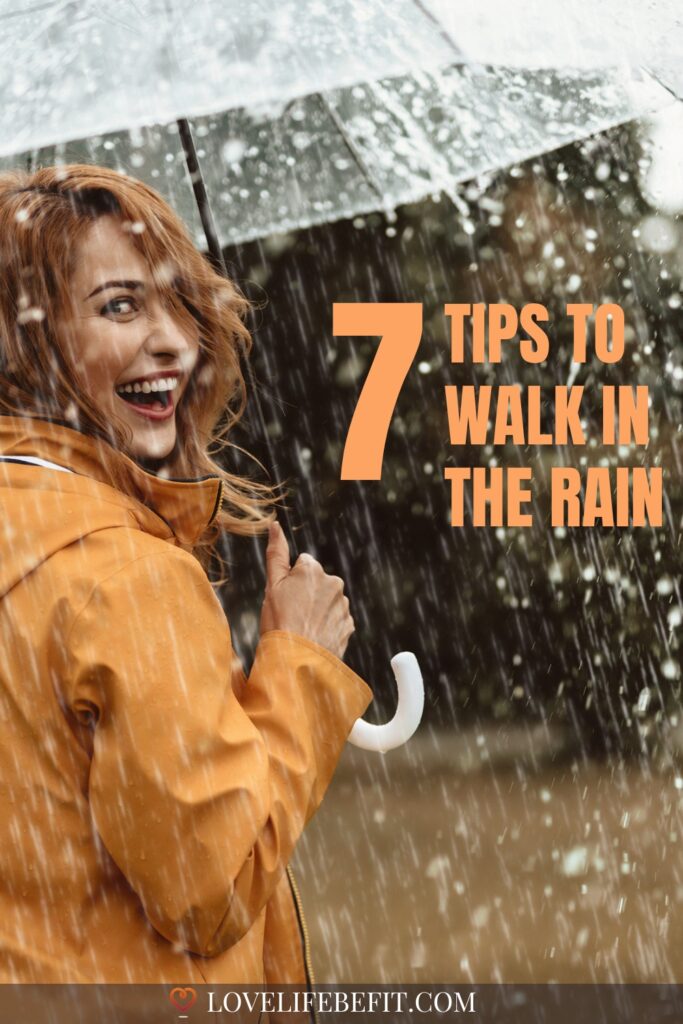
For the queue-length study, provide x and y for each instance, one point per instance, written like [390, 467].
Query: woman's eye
[123, 306]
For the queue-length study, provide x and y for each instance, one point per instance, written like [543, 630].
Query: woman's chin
[153, 443]
[153, 439]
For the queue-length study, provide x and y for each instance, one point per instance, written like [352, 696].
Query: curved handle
[411, 700]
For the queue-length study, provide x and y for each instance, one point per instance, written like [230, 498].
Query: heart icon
[183, 998]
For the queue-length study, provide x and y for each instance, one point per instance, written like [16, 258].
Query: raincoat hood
[175, 510]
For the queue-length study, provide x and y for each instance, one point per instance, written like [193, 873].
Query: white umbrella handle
[411, 701]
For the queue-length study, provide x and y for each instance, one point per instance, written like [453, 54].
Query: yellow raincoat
[150, 795]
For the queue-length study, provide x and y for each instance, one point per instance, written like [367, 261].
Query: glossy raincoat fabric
[150, 795]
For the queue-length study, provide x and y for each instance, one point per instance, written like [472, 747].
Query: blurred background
[531, 831]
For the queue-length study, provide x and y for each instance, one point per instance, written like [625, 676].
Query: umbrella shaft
[201, 197]
[215, 253]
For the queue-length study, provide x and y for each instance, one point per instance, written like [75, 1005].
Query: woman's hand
[303, 599]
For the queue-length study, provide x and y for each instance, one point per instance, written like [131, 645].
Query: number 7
[399, 325]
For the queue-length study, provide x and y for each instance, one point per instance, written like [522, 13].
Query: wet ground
[494, 857]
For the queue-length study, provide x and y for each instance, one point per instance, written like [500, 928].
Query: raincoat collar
[187, 507]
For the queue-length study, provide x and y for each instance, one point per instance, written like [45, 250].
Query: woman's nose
[166, 334]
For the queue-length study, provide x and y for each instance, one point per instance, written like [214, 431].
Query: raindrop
[575, 862]
[233, 150]
[665, 586]
[670, 669]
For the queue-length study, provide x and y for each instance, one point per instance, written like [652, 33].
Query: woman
[150, 795]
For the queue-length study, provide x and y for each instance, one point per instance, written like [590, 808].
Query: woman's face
[132, 353]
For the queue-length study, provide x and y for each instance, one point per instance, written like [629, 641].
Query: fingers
[309, 602]
[342, 620]
[308, 561]
[310, 564]
[277, 555]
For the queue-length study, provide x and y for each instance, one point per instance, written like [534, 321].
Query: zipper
[218, 508]
[305, 940]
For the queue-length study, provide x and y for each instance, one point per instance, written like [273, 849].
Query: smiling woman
[134, 349]
[102, 285]
[150, 795]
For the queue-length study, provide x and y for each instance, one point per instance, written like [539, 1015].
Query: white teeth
[147, 386]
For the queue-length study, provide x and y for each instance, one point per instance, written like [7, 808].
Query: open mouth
[161, 400]
[155, 396]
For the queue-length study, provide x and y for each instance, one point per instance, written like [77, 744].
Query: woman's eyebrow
[115, 284]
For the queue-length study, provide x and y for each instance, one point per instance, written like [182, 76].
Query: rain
[533, 823]
[530, 831]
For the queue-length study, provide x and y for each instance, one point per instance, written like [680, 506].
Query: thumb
[277, 555]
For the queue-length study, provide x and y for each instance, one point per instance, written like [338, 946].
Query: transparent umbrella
[305, 112]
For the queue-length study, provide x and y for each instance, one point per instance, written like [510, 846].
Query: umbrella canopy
[69, 70]
[303, 114]
[575, 34]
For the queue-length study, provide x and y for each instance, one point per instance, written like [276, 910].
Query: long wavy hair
[43, 217]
